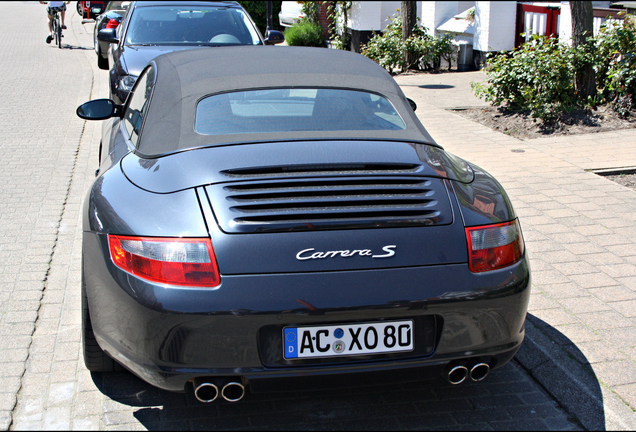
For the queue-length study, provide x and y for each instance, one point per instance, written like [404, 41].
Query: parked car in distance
[152, 28]
[90, 9]
[290, 13]
[262, 226]
[110, 18]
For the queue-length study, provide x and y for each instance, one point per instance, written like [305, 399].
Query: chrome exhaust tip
[233, 392]
[205, 391]
[479, 371]
[457, 374]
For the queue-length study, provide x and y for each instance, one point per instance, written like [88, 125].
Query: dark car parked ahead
[258, 225]
[150, 29]
[110, 19]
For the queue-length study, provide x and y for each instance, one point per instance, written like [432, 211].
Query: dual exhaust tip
[458, 372]
[207, 390]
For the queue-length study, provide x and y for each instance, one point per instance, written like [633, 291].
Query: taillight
[172, 261]
[112, 23]
[493, 247]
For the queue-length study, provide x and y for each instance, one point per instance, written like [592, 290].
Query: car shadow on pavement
[74, 47]
[555, 362]
[436, 86]
[512, 398]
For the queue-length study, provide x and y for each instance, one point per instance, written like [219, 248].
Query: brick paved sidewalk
[580, 231]
[39, 144]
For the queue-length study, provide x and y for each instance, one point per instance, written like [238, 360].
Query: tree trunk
[582, 28]
[409, 14]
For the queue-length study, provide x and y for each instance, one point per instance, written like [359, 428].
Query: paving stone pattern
[48, 160]
[580, 232]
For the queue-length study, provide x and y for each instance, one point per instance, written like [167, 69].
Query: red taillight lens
[172, 261]
[492, 247]
[112, 23]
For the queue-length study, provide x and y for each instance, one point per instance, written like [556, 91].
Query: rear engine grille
[318, 169]
[329, 203]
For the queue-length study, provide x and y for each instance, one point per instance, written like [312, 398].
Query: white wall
[565, 23]
[372, 15]
[366, 15]
[389, 8]
[375, 15]
[495, 25]
[436, 13]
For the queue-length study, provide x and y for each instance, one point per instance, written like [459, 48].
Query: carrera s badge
[307, 254]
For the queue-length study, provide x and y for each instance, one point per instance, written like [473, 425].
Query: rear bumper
[168, 336]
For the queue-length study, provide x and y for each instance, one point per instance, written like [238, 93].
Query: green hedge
[305, 33]
[538, 76]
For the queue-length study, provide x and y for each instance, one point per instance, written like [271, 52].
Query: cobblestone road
[47, 162]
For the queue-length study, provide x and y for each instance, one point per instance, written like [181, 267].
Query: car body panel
[200, 167]
[108, 210]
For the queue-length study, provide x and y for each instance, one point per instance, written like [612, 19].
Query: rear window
[284, 110]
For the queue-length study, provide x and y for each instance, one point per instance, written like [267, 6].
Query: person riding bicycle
[55, 6]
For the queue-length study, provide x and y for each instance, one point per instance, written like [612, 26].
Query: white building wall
[389, 8]
[464, 5]
[565, 23]
[495, 25]
[366, 15]
[376, 15]
[435, 13]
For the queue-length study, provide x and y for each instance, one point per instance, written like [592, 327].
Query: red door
[541, 20]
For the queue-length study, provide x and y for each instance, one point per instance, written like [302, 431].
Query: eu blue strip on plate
[291, 343]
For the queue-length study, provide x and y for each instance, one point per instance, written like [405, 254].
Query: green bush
[305, 33]
[392, 53]
[539, 75]
[616, 66]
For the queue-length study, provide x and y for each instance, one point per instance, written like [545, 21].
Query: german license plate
[351, 339]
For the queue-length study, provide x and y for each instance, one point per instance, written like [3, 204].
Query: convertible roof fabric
[185, 77]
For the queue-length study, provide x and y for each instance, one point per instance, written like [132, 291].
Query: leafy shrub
[538, 76]
[616, 66]
[305, 33]
[391, 52]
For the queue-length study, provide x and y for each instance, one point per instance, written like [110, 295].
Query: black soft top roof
[185, 77]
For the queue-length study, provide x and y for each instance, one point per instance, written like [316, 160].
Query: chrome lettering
[310, 254]
[389, 252]
[299, 257]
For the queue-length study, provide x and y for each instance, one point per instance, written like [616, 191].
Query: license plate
[350, 339]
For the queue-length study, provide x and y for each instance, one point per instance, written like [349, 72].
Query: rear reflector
[172, 261]
[493, 247]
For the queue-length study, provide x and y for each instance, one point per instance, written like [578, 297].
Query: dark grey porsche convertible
[278, 217]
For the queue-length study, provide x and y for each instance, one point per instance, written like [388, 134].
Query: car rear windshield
[285, 110]
[185, 25]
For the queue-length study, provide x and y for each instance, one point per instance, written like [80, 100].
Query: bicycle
[57, 28]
